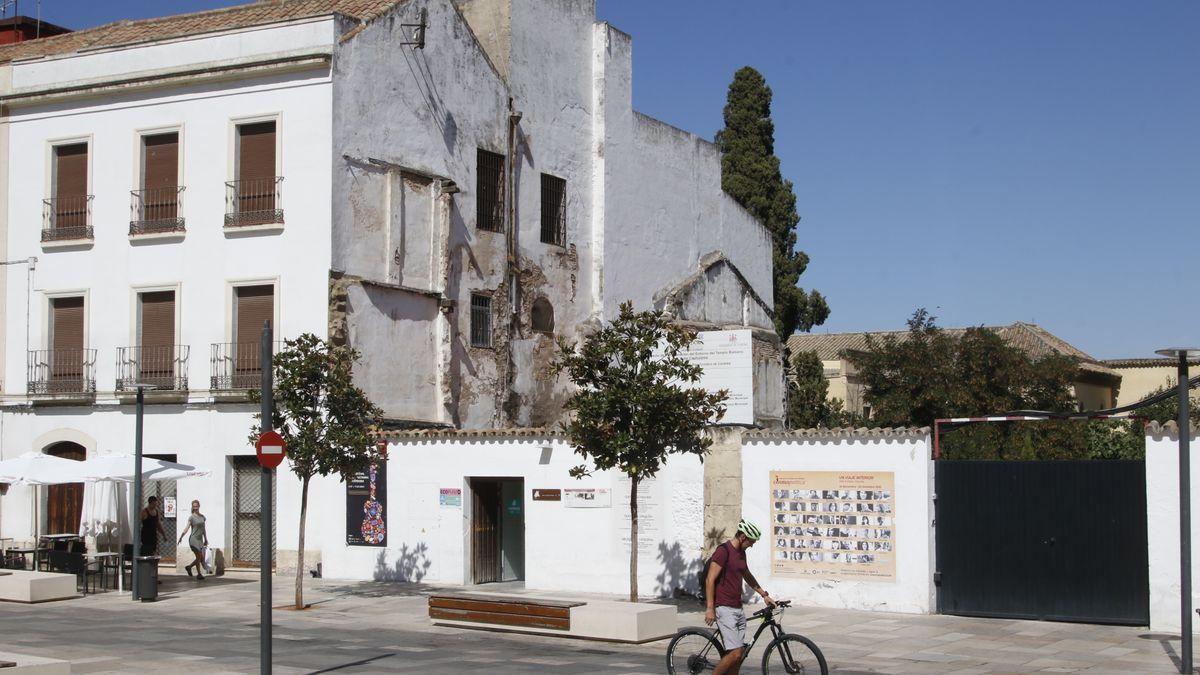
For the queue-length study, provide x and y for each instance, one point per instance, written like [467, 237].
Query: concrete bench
[25, 586]
[497, 610]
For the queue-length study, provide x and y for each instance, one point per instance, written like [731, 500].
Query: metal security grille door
[247, 512]
[485, 531]
[1051, 540]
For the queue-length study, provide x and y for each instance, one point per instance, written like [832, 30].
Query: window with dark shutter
[253, 306]
[257, 180]
[160, 177]
[554, 210]
[481, 320]
[156, 337]
[70, 185]
[489, 191]
[66, 339]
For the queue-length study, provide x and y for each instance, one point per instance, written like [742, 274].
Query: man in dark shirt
[723, 593]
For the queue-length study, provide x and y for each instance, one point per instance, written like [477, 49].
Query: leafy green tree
[808, 406]
[750, 175]
[329, 424]
[633, 407]
[1168, 410]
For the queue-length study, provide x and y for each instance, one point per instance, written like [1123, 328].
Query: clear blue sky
[993, 161]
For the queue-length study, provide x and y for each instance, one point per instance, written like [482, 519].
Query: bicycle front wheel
[795, 655]
[692, 651]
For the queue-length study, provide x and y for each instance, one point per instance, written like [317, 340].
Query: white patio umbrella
[36, 468]
[119, 468]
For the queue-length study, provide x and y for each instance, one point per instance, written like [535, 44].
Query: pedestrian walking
[151, 527]
[723, 594]
[198, 542]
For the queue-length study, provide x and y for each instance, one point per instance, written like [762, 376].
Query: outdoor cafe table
[66, 536]
[110, 560]
[37, 553]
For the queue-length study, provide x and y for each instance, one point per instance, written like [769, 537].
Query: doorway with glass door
[497, 530]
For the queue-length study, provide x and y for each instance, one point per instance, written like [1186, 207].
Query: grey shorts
[732, 622]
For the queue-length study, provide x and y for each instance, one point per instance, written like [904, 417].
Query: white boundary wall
[905, 453]
[1162, 525]
[566, 549]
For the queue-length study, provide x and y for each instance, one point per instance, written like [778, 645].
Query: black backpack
[704, 571]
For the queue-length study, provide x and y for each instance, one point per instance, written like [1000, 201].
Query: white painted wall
[1162, 526]
[566, 549]
[908, 457]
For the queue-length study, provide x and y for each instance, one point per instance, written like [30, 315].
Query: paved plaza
[361, 627]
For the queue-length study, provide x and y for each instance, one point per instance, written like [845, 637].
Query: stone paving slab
[366, 627]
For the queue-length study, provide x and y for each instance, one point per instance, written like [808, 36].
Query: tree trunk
[633, 538]
[300, 548]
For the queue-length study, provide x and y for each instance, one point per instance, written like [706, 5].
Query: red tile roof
[181, 25]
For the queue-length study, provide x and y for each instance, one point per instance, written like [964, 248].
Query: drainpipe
[510, 235]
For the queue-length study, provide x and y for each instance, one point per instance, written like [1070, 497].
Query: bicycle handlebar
[779, 604]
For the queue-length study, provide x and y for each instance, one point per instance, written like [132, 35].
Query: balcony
[237, 366]
[155, 212]
[254, 202]
[62, 374]
[67, 219]
[163, 366]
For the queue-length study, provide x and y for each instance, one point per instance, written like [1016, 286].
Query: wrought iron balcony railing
[156, 210]
[254, 201]
[61, 371]
[164, 366]
[67, 218]
[237, 365]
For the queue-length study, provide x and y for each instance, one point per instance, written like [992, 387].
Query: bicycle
[697, 650]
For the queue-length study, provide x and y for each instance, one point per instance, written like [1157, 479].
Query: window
[542, 316]
[481, 320]
[156, 355]
[67, 355]
[489, 192]
[554, 210]
[156, 204]
[70, 200]
[254, 194]
[252, 307]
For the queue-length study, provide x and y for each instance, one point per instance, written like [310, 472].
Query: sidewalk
[382, 627]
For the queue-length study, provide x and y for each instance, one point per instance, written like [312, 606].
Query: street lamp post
[137, 486]
[1185, 506]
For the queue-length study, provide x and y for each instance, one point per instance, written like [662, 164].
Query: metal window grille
[554, 210]
[489, 193]
[481, 321]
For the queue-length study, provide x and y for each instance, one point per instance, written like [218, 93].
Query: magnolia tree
[633, 406]
[328, 423]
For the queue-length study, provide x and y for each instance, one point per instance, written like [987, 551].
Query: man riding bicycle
[723, 594]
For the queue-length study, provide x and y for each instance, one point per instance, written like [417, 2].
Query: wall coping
[1168, 429]
[862, 433]
[402, 435]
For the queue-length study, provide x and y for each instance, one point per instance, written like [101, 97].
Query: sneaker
[189, 570]
[199, 577]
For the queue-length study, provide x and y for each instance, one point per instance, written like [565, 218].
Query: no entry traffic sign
[271, 449]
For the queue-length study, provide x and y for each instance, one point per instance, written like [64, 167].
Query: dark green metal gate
[1055, 540]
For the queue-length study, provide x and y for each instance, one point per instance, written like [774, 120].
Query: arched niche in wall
[542, 316]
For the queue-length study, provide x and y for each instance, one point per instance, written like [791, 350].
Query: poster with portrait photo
[833, 525]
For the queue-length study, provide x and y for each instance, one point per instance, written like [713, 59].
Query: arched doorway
[64, 503]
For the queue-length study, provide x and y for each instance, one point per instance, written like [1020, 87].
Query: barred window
[481, 320]
[489, 191]
[554, 210]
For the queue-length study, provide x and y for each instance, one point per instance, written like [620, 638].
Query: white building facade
[444, 186]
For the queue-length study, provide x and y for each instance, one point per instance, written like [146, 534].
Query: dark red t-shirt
[728, 589]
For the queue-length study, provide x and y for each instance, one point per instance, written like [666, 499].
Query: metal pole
[1185, 517]
[137, 492]
[265, 520]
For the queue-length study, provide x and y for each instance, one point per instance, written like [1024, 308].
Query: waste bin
[147, 571]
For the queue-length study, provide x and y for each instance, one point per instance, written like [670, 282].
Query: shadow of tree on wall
[411, 565]
[680, 572]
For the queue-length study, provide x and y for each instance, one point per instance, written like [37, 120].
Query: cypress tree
[750, 174]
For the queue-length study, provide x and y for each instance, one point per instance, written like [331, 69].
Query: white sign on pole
[726, 357]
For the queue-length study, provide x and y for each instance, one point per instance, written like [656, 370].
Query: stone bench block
[623, 621]
[24, 586]
[34, 665]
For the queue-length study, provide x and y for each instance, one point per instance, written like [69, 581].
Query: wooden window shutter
[70, 170]
[160, 161]
[255, 305]
[256, 151]
[158, 319]
[66, 323]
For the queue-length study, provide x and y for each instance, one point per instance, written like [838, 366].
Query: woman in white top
[198, 541]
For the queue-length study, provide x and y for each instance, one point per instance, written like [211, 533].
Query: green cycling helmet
[749, 529]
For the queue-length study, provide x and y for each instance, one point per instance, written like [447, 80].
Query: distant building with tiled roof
[1142, 377]
[1096, 386]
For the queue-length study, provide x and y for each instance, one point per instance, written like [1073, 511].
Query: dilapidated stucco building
[495, 189]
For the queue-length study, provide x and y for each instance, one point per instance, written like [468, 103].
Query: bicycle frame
[768, 621]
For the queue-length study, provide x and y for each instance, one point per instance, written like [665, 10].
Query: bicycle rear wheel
[795, 655]
[693, 651]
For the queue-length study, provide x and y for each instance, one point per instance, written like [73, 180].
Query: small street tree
[328, 423]
[633, 406]
[808, 405]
